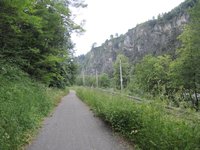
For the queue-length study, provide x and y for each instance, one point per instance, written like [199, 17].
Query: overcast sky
[106, 17]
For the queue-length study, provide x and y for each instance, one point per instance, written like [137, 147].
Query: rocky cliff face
[154, 37]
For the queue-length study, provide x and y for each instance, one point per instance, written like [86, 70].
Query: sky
[108, 17]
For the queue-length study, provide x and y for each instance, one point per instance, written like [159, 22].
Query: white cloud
[106, 17]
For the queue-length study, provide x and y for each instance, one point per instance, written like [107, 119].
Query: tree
[125, 71]
[90, 80]
[111, 36]
[36, 35]
[94, 45]
[151, 74]
[186, 68]
[104, 80]
[79, 81]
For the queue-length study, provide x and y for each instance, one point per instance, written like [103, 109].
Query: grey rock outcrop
[156, 37]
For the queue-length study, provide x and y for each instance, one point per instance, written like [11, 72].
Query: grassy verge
[146, 124]
[23, 105]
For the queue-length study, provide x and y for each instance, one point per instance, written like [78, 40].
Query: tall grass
[23, 104]
[146, 124]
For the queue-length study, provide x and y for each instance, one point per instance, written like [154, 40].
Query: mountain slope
[156, 37]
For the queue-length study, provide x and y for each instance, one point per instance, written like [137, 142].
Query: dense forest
[36, 36]
[174, 77]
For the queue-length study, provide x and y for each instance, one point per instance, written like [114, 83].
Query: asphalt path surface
[73, 126]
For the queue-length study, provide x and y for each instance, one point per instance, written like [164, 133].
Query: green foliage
[181, 9]
[185, 70]
[151, 74]
[125, 71]
[36, 35]
[79, 81]
[146, 124]
[177, 80]
[91, 81]
[24, 103]
[104, 80]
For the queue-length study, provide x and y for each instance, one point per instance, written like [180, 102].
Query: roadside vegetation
[24, 103]
[36, 64]
[148, 125]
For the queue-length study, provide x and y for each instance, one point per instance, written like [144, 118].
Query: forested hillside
[159, 59]
[36, 57]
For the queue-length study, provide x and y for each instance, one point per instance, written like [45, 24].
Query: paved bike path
[74, 127]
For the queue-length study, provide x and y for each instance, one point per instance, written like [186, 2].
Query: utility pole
[121, 79]
[83, 77]
[97, 79]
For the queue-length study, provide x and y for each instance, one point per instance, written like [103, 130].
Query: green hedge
[147, 124]
[23, 104]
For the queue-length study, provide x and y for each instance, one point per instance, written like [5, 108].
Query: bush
[146, 124]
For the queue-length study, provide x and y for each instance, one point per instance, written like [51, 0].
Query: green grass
[148, 125]
[23, 105]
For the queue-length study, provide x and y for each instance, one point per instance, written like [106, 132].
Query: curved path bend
[74, 127]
